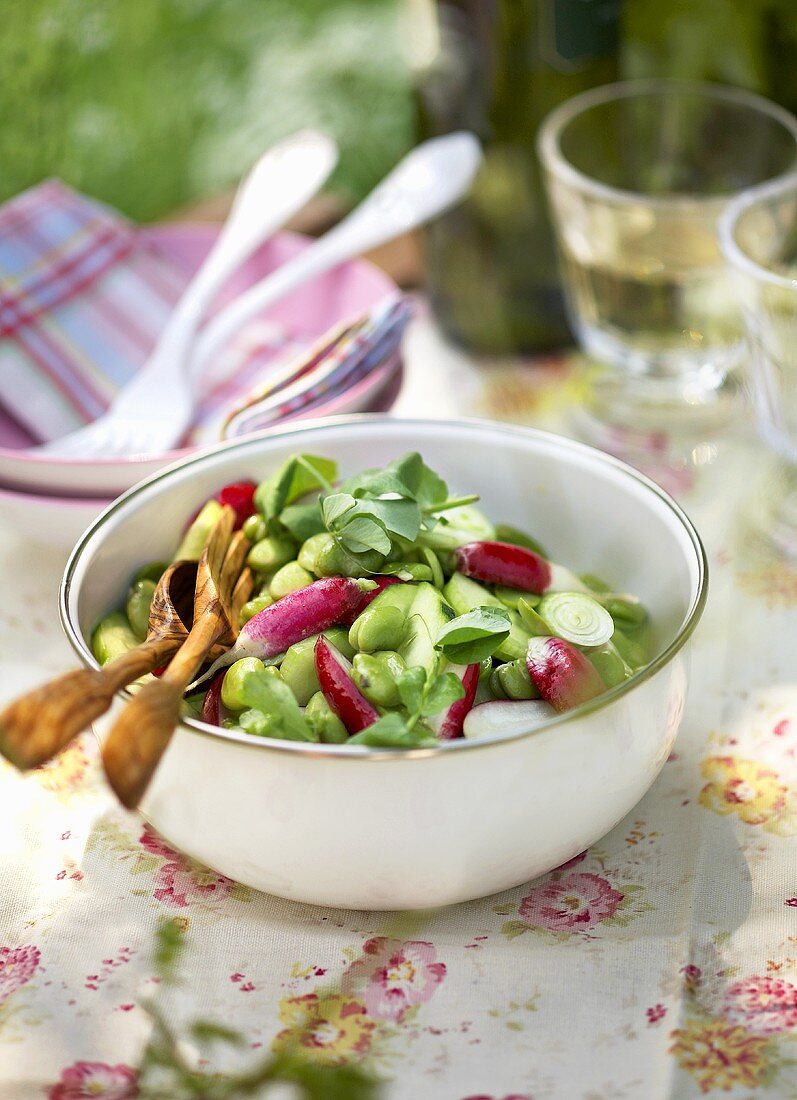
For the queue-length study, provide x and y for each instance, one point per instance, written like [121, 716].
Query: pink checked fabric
[70, 268]
[84, 296]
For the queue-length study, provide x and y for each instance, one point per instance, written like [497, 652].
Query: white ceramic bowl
[386, 829]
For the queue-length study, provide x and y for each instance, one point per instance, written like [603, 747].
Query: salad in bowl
[335, 751]
[392, 612]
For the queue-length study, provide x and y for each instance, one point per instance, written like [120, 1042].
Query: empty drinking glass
[638, 174]
[758, 236]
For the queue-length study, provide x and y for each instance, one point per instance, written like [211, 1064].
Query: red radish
[310, 610]
[340, 691]
[561, 673]
[211, 704]
[240, 495]
[448, 725]
[504, 717]
[505, 564]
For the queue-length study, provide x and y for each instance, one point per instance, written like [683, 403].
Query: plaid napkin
[83, 299]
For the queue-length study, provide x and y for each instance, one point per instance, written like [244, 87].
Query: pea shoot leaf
[298, 475]
[444, 690]
[411, 686]
[335, 506]
[390, 731]
[365, 533]
[303, 520]
[472, 637]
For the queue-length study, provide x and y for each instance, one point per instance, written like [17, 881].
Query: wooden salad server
[141, 733]
[41, 723]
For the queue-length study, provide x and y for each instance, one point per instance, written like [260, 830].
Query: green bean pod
[611, 667]
[254, 527]
[384, 622]
[376, 675]
[255, 606]
[290, 578]
[324, 721]
[271, 554]
[298, 665]
[139, 602]
[332, 560]
[514, 680]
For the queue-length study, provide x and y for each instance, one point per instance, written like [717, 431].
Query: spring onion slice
[577, 618]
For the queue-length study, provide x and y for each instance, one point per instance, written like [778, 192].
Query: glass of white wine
[758, 237]
[638, 174]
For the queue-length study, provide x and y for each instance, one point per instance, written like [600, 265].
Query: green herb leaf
[445, 690]
[365, 533]
[279, 713]
[303, 520]
[391, 731]
[410, 687]
[400, 517]
[298, 475]
[471, 637]
[335, 506]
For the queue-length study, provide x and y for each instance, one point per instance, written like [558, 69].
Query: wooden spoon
[40, 724]
[141, 733]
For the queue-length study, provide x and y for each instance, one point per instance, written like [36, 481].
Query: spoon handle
[140, 735]
[426, 182]
[41, 723]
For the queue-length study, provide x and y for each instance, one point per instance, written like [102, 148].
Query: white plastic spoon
[425, 183]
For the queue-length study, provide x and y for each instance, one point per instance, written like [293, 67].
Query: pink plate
[306, 314]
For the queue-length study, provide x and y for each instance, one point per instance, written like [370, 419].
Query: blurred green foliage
[748, 43]
[151, 104]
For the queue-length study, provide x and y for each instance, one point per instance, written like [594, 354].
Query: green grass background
[152, 104]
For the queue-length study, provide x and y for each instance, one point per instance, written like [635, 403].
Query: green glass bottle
[500, 67]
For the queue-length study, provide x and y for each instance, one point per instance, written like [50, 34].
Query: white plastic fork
[154, 410]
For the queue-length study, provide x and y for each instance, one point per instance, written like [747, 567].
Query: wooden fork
[141, 733]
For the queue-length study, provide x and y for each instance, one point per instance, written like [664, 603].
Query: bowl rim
[364, 752]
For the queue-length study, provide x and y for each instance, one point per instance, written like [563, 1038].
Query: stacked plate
[53, 499]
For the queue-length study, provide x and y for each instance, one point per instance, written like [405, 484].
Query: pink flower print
[692, 974]
[762, 1005]
[392, 977]
[92, 1080]
[791, 901]
[150, 840]
[781, 728]
[17, 966]
[183, 884]
[655, 1013]
[573, 903]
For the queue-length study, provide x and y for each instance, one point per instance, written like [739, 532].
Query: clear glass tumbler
[758, 236]
[638, 175]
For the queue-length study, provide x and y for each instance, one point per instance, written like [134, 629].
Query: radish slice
[561, 673]
[340, 691]
[448, 724]
[505, 564]
[501, 718]
[310, 610]
[240, 495]
[211, 704]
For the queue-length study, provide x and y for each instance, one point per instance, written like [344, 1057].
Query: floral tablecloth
[662, 963]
